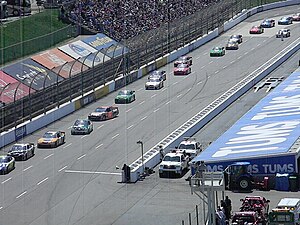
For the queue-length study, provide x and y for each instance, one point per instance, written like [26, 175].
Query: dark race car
[22, 151]
[285, 20]
[82, 127]
[184, 60]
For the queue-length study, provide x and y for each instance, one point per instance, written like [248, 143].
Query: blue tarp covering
[269, 129]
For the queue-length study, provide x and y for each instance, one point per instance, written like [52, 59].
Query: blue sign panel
[32, 74]
[20, 132]
[269, 129]
[106, 45]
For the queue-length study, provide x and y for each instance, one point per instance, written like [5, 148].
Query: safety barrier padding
[102, 92]
[161, 62]
[77, 104]
[206, 38]
[144, 70]
[7, 137]
[150, 67]
[111, 86]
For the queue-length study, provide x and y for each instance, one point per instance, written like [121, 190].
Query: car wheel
[161, 175]
[244, 184]
[16, 13]
[25, 157]
[56, 144]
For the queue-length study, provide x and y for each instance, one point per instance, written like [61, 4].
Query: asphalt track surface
[77, 183]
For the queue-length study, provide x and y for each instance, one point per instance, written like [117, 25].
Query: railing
[143, 49]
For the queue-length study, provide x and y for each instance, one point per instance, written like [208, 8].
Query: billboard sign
[11, 89]
[52, 58]
[32, 74]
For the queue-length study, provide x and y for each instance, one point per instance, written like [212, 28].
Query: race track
[77, 183]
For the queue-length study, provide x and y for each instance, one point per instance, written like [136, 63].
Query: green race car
[125, 96]
[217, 51]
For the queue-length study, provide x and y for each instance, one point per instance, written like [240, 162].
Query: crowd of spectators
[124, 19]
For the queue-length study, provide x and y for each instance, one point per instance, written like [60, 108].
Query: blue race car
[285, 20]
[268, 23]
[7, 164]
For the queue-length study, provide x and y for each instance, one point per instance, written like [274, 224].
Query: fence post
[197, 215]
[190, 219]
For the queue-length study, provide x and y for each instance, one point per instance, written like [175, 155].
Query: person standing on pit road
[200, 169]
[228, 207]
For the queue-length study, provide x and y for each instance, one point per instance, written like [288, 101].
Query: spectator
[128, 18]
[228, 207]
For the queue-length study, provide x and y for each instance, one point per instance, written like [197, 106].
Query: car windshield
[18, 147]
[4, 160]
[231, 42]
[171, 158]
[156, 72]
[80, 123]
[234, 37]
[186, 146]
[267, 21]
[49, 135]
[124, 92]
[154, 79]
[255, 27]
[284, 18]
[100, 109]
[216, 48]
[182, 66]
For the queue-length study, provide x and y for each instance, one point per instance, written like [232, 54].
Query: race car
[256, 30]
[52, 139]
[82, 127]
[7, 164]
[296, 17]
[182, 69]
[158, 73]
[232, 45]
[22, 151]
[283, 33]
[184, 60]
[236, 37]
[268, 23]
[217, 51]
[285, 20]
[104, 113]
[125, 96]
[154, 83]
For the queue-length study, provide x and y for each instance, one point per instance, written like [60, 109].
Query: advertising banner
[52, 58]
[12, 89]
[20, 132]
[32, 74]
[70, 69]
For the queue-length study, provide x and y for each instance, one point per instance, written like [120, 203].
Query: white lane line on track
[239, 57]
[100, 126]
[179, 95]
[232, 61]
[264, 40]
[139, 89]
[48, 156]
[68, 145]
[168, 102]
[217, 71]
[246, 53]
[92, 172]
[62, 168]
[141, 102]
[99, 146]
[153, 96]
[198, 57]
[252, 49]
[258, 45]
[205, 53]
[3, 182]
[129, 127]
[200, 82]
[42, 181]
[224, 67]
[163, 90]
[156, 110]
[210, 62]
[80, 157]
[83, 136]
[115, 136]
[28, 168]
[20, 195]
[128, 110]
[1, 207]
[189, 89]
[143, 118]
[69, 128]
[175, 83]
[202, 67]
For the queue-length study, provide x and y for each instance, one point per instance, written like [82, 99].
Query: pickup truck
[175, 163]
[190, 146]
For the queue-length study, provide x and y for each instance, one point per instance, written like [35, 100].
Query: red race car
[184, 60]
[104, 113]
[296, 17]
[182, 69]
[256, 30]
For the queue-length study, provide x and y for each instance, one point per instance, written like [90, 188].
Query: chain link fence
[142, 49]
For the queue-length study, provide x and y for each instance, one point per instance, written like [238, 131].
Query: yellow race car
[52, 139]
